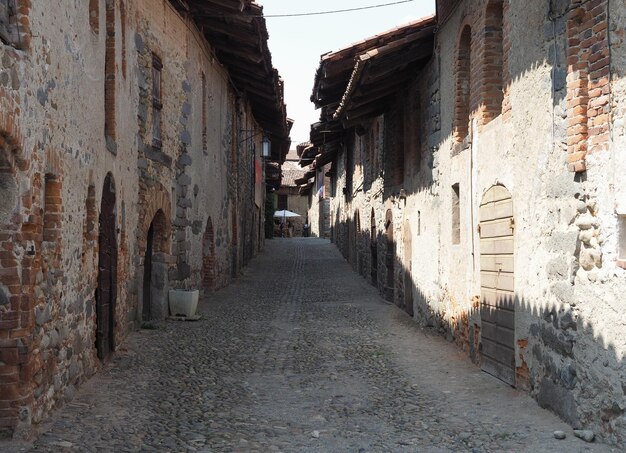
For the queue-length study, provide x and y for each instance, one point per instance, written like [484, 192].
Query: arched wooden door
[497, 278]
[106, 291]
[208, 257]
[357, 246]
[373, 250]
[390, 257]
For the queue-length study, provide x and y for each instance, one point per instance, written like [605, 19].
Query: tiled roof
[291, 172]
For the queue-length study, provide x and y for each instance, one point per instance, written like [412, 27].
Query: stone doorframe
[155, 211]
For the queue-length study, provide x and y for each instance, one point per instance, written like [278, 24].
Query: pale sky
[296, 43]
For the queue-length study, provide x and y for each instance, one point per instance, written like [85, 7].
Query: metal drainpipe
[473, 147]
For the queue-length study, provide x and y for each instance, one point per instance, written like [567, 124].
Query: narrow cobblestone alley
[300, 354]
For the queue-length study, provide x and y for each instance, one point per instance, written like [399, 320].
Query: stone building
[315, 184]
[130, 164]
[288, 195]
[475, 163]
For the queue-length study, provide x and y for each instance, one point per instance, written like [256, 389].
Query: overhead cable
[319, 13]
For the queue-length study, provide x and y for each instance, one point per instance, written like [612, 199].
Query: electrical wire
[319, 13]
[313, 13]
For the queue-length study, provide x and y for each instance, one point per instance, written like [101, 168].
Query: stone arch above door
[152, 198]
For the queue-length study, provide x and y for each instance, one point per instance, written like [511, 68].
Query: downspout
[472, 158]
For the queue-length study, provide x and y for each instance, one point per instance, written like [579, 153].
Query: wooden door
[497, 289]
[107, 272]
[390, 257]
[373, 250]
[147, 276]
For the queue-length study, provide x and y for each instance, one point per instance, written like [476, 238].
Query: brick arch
[154, 238]
[463, 84]
[208, 256]
[152, 198]
[492, 62]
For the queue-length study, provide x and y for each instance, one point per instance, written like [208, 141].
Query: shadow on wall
[560, 358]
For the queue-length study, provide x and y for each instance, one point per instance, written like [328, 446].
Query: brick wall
[588, 88]
[445, 8]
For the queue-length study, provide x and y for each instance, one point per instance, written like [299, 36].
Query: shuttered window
[157, 101]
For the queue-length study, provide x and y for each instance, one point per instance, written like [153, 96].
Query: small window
[8, 20]
[204, 115]
[456, 215]
[282, 202]
[463, 85]
[157, 101]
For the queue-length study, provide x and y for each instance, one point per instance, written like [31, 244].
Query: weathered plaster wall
[563, 176]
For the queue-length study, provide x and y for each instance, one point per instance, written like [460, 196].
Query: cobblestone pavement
[300, 354]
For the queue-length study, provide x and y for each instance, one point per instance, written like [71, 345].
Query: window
[109, 74]
[493, 61]
[456, 215]
[349, 168]
[282, 202]
[157, 101]
[204, 115]
[394, 145]
[463, 85]
[8, 21]
[52, 209]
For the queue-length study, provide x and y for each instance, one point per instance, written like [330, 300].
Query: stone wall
[524, 133]
[77, 135]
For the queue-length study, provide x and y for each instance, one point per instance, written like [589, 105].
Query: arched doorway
[155, 269]
[208, 256]
[357, 245]
[408, 258]
[496, 284]
[348, 241]
[390, 256]
[147, 276]
[106, 291]
[373, 250]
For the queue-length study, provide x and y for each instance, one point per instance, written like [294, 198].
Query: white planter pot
[183, 302]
